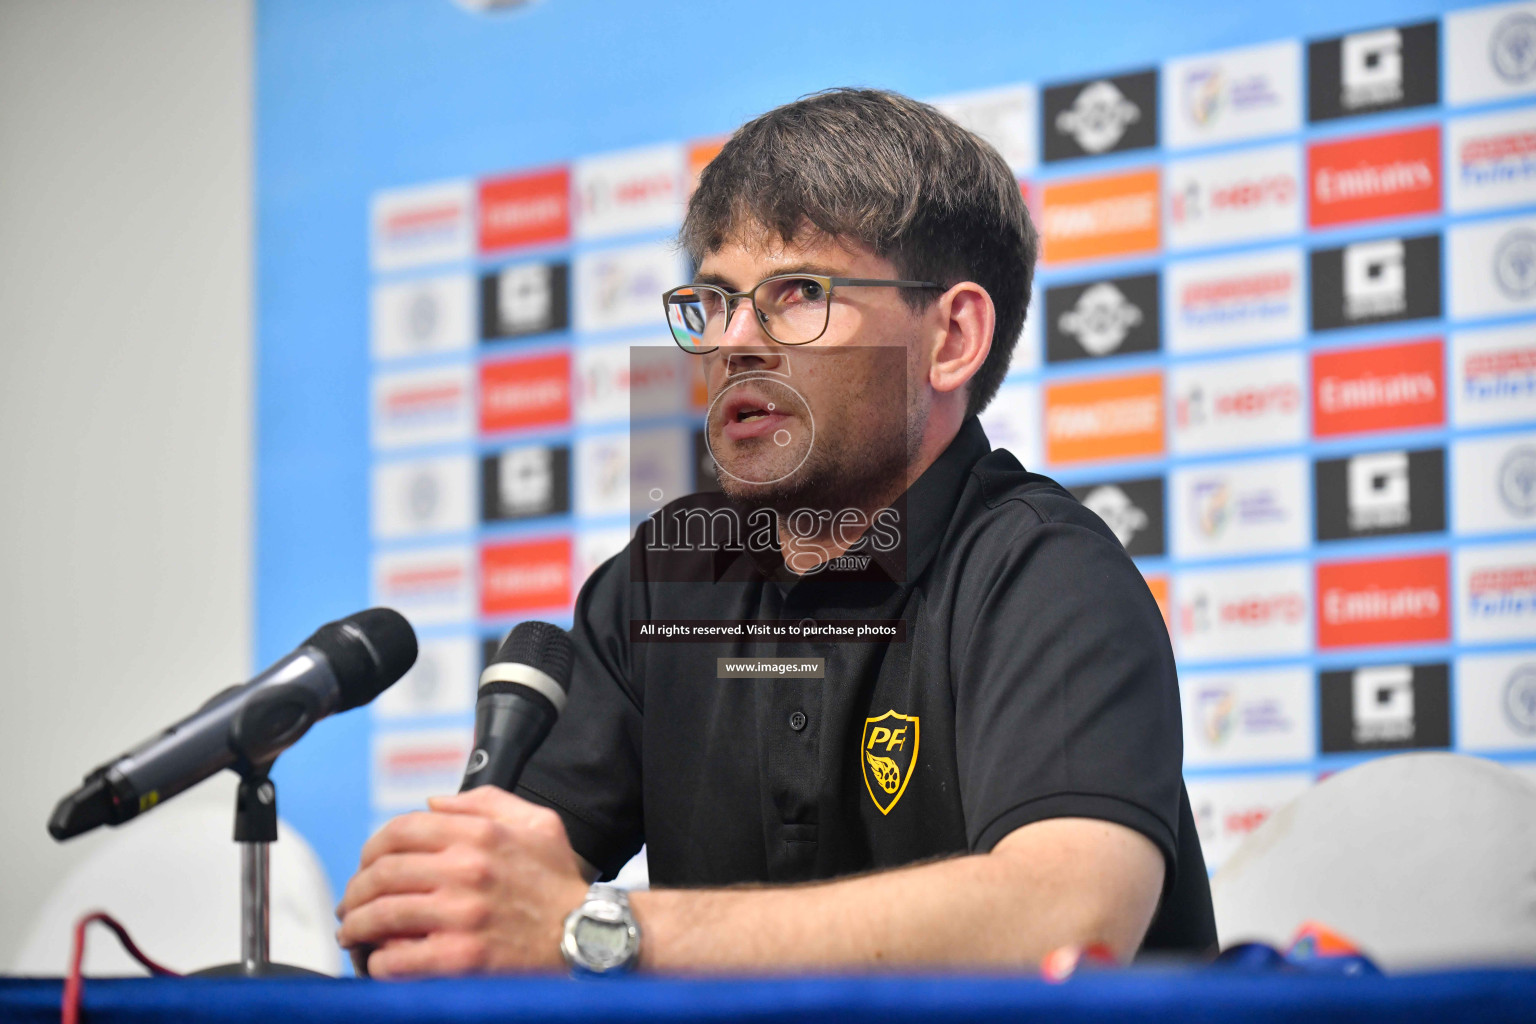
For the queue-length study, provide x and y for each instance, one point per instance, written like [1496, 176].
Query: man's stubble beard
[852, 465]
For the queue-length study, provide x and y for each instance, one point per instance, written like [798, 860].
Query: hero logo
[1098, 117]
[1498, 592]
[630, 191]
[1252, 194]
[1101, 319]
[1237, 403]
[1228, 812]
[1242, 613]
[1512, 50]
[1371, 69]
[1192, 204]
[1394, 600]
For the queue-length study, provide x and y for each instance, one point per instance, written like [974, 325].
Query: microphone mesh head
[545, 647]
[368, 651]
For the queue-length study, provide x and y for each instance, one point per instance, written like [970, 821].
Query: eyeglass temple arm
[873, 282]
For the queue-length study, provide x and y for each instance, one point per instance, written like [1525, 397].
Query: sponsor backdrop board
[1283, 342]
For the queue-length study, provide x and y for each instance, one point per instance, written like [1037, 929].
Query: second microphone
[522, 692]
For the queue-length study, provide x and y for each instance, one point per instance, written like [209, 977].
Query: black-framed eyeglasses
[793, 309]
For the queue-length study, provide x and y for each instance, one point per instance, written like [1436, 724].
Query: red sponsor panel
[1384, 601]
[516, 394]
[1358, 179]
[525, 575]
[1386, 387]
[525, 209]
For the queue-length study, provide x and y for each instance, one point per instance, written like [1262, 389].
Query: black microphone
[522, 692]
[345, 664]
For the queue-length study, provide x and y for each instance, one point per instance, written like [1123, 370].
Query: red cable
[74, 982]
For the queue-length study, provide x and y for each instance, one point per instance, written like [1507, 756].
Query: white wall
[125, 395]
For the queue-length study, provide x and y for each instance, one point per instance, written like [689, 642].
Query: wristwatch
[601, 935]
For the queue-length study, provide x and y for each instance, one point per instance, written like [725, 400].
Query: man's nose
[746, 345]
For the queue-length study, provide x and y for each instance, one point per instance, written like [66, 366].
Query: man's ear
[964, 319]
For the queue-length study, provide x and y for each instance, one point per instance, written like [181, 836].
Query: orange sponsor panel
[699, 155]
[1109, 216]
[1159, 587]
[1104, 418]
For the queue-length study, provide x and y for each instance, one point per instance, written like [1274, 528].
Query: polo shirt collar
[924, 516]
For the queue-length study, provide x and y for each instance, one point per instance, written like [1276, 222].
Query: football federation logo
[1513, 48]
[1515, 264]
[1520, 699]
[888, 752]
[1517, 481]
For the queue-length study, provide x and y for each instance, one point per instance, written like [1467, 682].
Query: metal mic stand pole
[255, 831]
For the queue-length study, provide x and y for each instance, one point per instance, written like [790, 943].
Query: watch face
[604, 943]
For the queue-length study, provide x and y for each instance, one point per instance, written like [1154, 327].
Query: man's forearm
[1055, 883]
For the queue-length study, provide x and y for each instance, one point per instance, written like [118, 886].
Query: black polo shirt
[1035, 681]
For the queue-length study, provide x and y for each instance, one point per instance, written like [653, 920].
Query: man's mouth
[748, 413]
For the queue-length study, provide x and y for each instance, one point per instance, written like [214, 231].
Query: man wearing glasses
[996, 777]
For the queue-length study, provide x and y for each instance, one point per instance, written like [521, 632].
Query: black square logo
[1132, 509]
[1385, 707]
[1379, 494]
[1111, 317]
[524, 299]
[1100, 115]
[1377, 281]
[1379, 69]
[525, 482]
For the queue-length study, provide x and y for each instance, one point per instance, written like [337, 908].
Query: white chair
[173, 879]
[1423, 860]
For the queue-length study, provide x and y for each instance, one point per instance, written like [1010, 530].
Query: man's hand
[482, 882]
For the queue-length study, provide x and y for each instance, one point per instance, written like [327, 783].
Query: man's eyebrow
[721, 281]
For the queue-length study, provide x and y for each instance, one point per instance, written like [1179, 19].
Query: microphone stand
[255, 831]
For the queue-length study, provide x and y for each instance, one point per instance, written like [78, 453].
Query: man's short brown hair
[892, 174]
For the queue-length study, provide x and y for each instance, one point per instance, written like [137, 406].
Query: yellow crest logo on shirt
[888, 750]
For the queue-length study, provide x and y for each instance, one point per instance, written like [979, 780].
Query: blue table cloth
[1118, 997]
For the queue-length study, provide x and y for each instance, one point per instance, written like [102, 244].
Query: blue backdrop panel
[1285, 339]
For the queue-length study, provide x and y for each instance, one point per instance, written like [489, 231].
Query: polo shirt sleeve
[1066, 696]
[588, 769]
